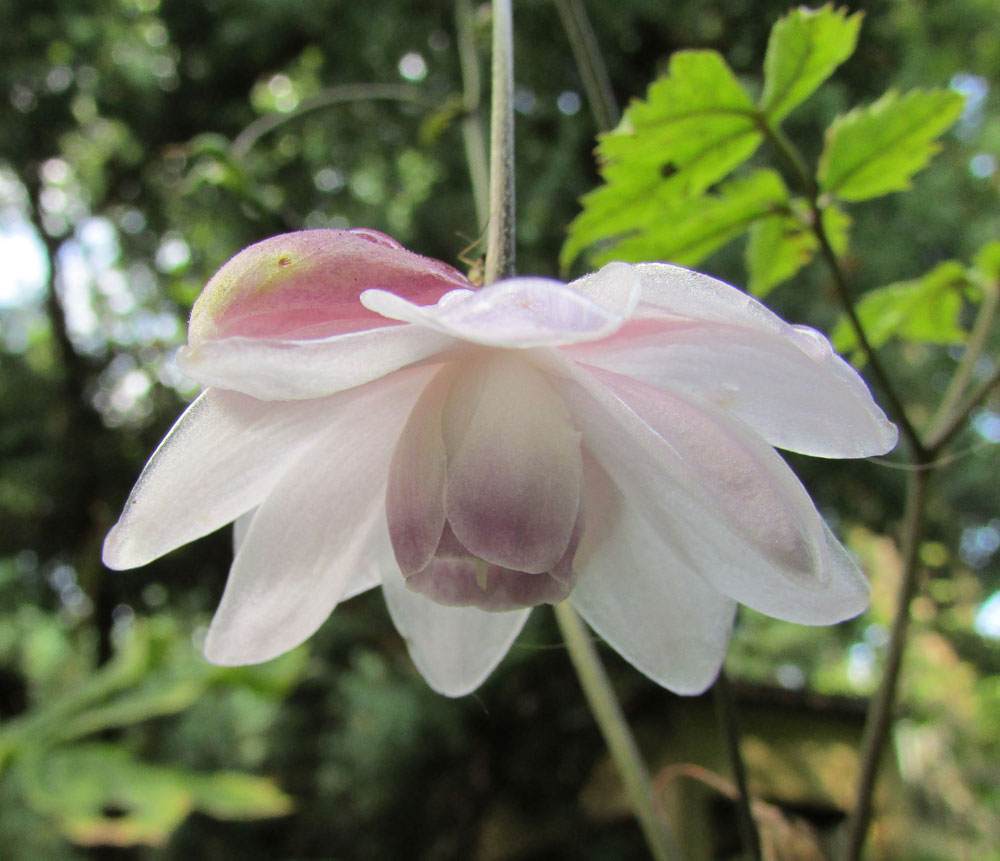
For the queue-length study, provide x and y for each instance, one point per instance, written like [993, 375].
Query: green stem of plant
[958, 419]
[725, 705]
[593, 72]
[880, 712]
[473, 136]
[957, 387]
[500, 231]
[338, 95]
[608, 714]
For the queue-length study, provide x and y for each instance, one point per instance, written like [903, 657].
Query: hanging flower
[369, 419]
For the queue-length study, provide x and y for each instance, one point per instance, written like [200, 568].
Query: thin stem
[593, 72]
[608, 714]
[725, 705]
[880, 713]
[473, 136]
[342, 94]
[796, 164]
[945, 434]
[978, 340]
[500, 234]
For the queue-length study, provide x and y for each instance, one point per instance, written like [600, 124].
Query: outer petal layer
[772, 556]
[281, 370]
[455, 648]
[219, 460]
[310, 542]
[643, 599]
[788, 385]
[306, 285]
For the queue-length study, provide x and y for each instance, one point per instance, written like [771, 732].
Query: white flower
[370, 420]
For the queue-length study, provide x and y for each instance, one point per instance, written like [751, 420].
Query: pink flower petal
[455, 579]
[518, 313]
[639, 595]
[313, 540]
[514, 471]
[307, 284]
[464, 583]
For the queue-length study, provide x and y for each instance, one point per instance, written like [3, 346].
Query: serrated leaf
[926, 309]
[876, 150]
[778, 247]
[804, 49]
[694, 127]
[688, 234]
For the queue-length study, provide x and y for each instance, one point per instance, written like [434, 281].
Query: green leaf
[231, 795]
[779, 246]
[987, 264]
[876, 150]
[927, 309]
[99, 794]
[803, 50]
[837, 225]
[688, 234]
[694, 127]
[782, 244]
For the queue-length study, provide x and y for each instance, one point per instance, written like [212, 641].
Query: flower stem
[500, 234]
[978, 339]
[726, 708]
[593, 72]
[880, 712]
[608, 714]
[472, 126]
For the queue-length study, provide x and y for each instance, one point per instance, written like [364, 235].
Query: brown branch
[880, 713]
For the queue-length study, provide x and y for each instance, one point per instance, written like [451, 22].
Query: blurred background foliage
[142, 143]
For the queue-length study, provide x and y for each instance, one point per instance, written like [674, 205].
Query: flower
[369, 419]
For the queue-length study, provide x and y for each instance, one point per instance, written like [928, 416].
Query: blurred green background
[134, 162]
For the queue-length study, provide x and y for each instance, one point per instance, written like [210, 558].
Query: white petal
[282, 370]
[642, 598]
[615, 287]
[732, 512]
[219, 460]
[811, 404]
[680, 292]
[310, 542]
[240, 528]
[518, 313]
[455, 648]
[365, 577]
[514, 469]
